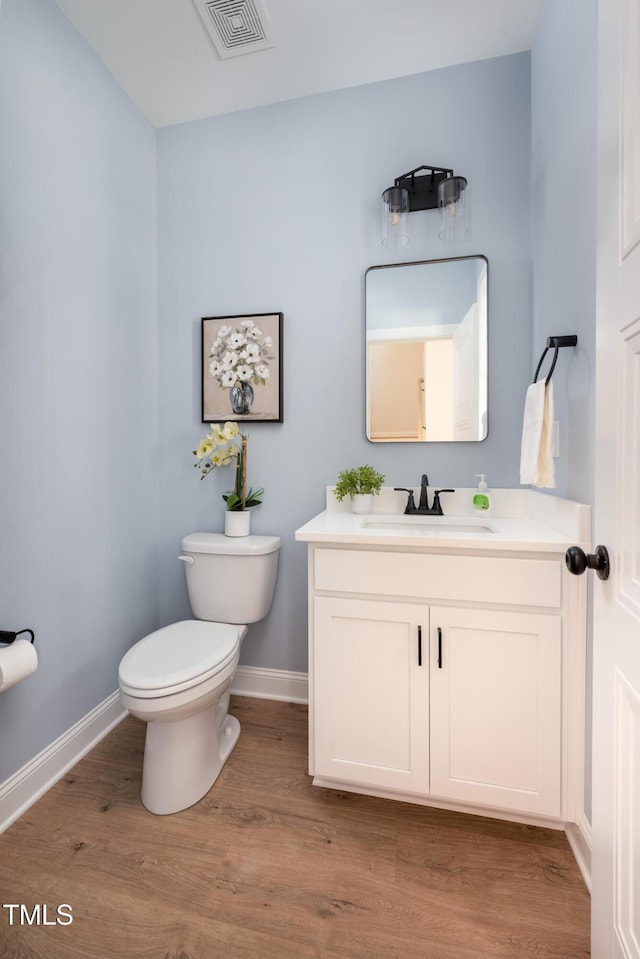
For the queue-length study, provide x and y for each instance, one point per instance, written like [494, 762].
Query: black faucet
[424, 499]
[423, 509]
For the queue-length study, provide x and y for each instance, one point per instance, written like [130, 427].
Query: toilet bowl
[178, 678]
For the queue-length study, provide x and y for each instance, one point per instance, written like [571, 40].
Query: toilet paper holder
[7, 637]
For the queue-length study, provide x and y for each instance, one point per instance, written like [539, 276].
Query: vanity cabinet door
[496, 709]
[371, 693]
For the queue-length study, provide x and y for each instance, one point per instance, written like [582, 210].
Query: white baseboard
[271, 684]
[28, 784]
[579, 836]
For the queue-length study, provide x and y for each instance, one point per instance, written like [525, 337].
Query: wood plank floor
[268, 866]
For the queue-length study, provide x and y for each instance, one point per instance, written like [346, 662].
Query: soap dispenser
[481, 498]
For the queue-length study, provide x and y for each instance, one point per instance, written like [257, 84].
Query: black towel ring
[556, 342]
[9, 636]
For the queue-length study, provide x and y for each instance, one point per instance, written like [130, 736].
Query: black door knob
[578, 561]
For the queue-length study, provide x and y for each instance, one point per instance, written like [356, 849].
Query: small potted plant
[361, 483]
[221, 447]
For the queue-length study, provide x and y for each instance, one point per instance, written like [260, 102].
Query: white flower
[244, 373]
[218, 458]
[240, 355]
[229, 360]
[205, 447]
[217, 435]
[229, 430]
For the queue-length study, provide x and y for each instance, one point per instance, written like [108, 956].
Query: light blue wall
[564, 96]
[78, 373]
[277, 209]
[564, 224]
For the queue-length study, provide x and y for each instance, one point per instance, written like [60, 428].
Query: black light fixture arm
[411, 174]
[423, 190]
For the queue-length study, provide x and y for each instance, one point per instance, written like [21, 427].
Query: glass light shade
[454, 224]
[395, 217]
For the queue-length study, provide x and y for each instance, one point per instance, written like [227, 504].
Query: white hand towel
[546, 466]
[536, 450]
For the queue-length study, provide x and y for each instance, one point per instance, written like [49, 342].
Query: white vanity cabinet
[371, 692]
[496, 724]
[447, 676]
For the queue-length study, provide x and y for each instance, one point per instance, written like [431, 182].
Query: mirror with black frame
[426, 351]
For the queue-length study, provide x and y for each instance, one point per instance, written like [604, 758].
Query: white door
[616, 666]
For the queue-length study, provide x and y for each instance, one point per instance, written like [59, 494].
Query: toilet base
[183, 759]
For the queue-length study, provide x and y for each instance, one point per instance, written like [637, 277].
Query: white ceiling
[161, 53]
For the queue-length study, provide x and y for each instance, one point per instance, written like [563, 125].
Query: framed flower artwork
[242, 368]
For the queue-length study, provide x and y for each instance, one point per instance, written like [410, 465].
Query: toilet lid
[178, 657]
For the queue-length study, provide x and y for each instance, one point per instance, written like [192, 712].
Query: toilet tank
[230, 579]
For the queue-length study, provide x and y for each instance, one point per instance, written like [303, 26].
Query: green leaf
[359, 479]
[234, 502]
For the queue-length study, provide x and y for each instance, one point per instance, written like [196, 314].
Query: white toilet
[178, 679]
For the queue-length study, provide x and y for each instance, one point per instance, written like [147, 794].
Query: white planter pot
[237, 522]
[362, 503]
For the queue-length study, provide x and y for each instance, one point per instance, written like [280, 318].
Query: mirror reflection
[426, 348]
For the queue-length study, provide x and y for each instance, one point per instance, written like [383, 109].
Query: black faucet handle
[436, 498]
[411, 503]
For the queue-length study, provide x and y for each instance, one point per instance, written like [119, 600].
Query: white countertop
[519, 519]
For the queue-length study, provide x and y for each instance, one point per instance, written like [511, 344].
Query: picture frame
[242, 368]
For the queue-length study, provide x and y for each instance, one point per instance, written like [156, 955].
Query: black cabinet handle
[439, 648]
[419, 645]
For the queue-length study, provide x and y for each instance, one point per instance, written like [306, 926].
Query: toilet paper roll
[17, 662]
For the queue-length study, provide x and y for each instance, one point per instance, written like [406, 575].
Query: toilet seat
[178, 657]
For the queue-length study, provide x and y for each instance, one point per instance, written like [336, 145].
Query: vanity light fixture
[436, 188]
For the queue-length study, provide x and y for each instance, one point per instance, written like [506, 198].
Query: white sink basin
[430, 524]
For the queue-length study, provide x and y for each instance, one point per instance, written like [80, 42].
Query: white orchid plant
[221, 447]
[240, 355]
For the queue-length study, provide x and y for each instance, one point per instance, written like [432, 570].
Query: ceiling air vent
[236, 26]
